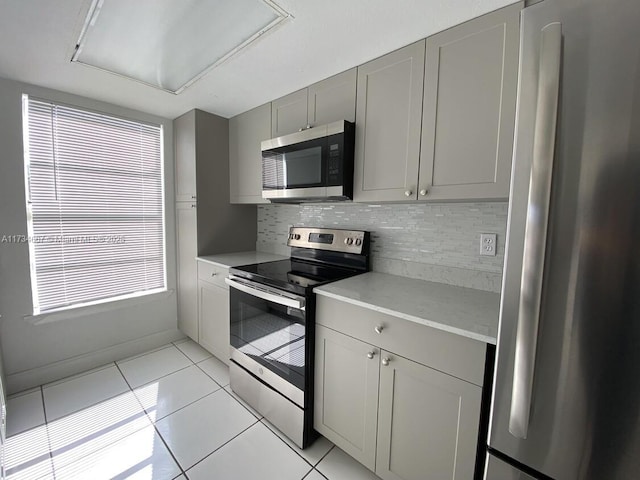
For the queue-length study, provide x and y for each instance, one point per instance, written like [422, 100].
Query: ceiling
[322, 38]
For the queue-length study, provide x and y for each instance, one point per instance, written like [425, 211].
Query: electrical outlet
[488, 244]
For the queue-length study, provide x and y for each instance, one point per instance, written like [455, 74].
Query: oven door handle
[269, 296]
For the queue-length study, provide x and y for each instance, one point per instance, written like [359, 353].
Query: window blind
[95, 206]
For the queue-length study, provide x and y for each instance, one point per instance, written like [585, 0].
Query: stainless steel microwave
[315, 164]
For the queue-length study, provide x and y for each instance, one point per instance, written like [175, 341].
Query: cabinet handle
[194, 197]
[370, 355]
[379, 328]
[408, 193]
[193, 205]
[214, 274]
[385, 361]
[424, 191]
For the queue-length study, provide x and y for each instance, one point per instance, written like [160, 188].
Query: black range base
[272, 330]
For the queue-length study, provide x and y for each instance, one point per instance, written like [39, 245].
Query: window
[95, 206]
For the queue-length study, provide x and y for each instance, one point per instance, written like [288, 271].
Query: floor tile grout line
[307, 474]
[182, 472]
[156, 379]
[242, 405]
[166, 445]
[295, 451]
[153, 350]
[91, 371]
[203, 371]
[225, 443]
[181, 408]
[129, 434]
[325, 455]
[192, 360]
[320, 473]
[91, 404]
[46, 427]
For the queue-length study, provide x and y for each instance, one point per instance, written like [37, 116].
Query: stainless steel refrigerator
[566, 398]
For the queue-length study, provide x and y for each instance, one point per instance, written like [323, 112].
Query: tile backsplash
[434, 242]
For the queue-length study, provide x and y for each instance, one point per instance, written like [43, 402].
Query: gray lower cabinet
[399, 411]
[213, 319]
[389, 113]
[323, 102]
[346, 394]
[246, 133]
[427, 423]
[469, 108]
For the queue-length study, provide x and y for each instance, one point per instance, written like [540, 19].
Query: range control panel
[337, 240]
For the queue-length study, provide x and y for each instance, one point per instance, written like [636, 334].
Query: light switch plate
[488, 244]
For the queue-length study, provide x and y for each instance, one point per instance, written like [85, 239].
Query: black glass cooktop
[293, 275]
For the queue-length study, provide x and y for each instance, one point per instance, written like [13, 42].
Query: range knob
[297, 236]
[358, 242]
[348, 241]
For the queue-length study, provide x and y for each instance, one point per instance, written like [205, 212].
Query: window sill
[95, 308]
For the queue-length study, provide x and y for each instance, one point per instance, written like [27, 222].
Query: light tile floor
[167, 414]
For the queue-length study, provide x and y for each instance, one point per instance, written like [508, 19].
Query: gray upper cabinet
[389, 113]
[185, 158]
[333, 99]
[324, 102]
[289, 113]
[469, 108]
[246, 132]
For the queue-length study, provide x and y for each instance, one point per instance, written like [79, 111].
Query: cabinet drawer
[212, 273]
[449, 353]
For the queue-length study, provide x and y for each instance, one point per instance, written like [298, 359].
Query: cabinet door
[213, 319]
[389, 113]
[469, 108]
[246, 132]
[346, 393]
[289, 113]
[428, 422]
[184, 128]
[333, 99]
[187, 247]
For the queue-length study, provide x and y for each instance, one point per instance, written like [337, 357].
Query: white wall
[38, 353]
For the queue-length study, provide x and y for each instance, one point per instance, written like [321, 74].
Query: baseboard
[19, 381]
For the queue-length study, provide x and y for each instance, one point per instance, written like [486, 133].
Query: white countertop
[463, 311]
[240, 258]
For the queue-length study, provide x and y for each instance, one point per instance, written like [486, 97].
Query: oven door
[267, 335]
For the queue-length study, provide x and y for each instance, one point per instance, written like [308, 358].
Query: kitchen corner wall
[434, 242]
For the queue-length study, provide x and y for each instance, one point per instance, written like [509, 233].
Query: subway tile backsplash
[434, 242]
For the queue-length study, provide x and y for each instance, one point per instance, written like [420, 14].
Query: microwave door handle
[268, 296]
[535, 239]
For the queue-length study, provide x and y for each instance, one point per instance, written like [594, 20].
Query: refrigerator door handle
[535, 239]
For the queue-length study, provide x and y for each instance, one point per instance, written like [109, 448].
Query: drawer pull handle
[379, 328]
[370, 355]
[214, 274]
[385, 361]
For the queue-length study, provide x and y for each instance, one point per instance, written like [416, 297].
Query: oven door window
[295, 166]
[271, 334]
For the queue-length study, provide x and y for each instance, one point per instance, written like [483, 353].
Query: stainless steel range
[272, 312]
